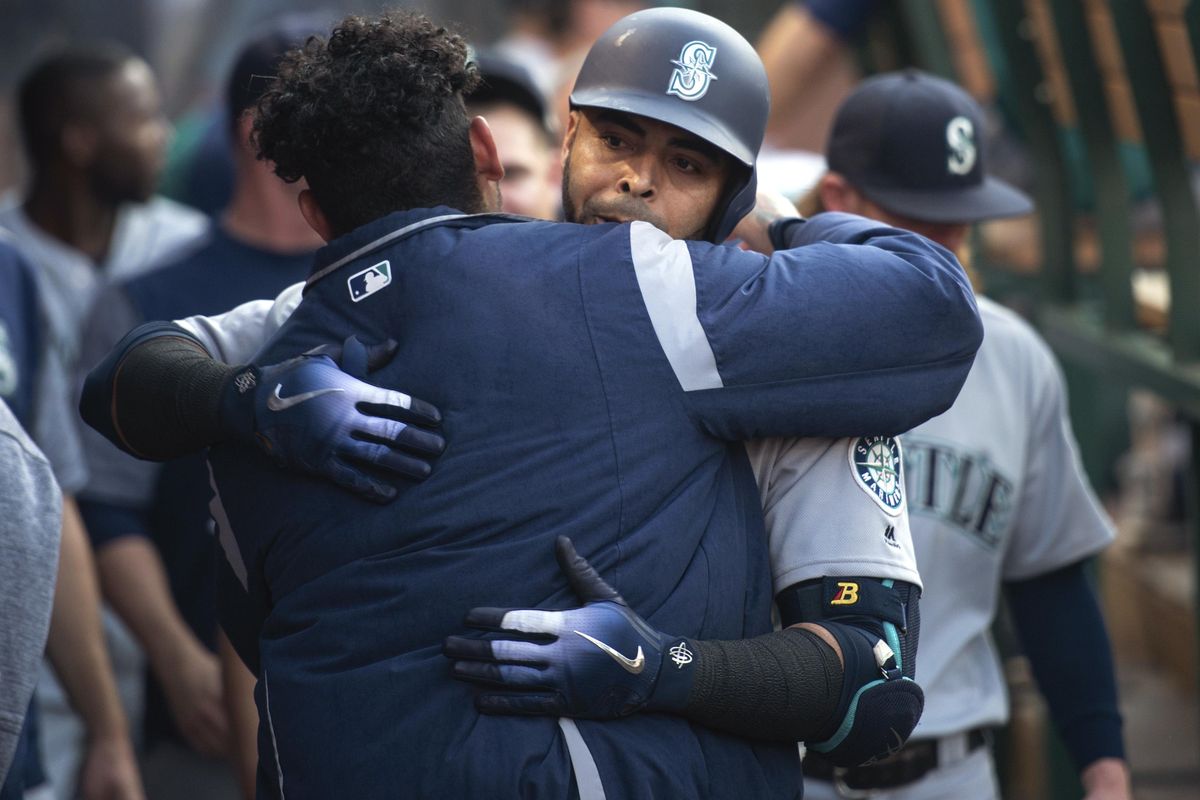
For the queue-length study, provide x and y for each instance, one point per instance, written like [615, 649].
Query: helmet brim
[664, 108]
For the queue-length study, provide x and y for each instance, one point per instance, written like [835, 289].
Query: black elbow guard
[876, 624]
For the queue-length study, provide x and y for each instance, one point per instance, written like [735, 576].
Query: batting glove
[314, 414]
[600, 661]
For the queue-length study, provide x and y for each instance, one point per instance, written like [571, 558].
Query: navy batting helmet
[692, 71]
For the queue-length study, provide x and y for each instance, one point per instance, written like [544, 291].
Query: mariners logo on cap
[960, 138]
[692, 73]
[369, 281]
[875, 462]
[8, 365]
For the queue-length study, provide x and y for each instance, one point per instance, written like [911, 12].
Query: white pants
[973, 777]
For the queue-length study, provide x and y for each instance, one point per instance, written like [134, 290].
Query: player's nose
[638, 178]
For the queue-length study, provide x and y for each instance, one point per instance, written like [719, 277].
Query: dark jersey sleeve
[157, 394]
[854, 327]
[846, 18]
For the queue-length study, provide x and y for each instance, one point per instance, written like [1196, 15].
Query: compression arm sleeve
[1061, 628]
[157, 395]
[781, 686]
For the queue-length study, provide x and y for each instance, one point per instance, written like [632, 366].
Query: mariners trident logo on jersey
[369, 281]
[875, 462]
[692, 72]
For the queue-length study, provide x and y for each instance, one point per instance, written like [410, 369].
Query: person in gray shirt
[30, 516]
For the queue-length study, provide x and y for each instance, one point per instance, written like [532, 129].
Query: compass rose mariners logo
[693, 71]
[875, 462]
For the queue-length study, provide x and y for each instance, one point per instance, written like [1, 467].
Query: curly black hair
[373, 119]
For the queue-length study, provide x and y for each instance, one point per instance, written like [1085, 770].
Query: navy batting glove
[314, 414]
[600, 661]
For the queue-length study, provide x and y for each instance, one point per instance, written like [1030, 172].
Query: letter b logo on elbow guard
[847, 594]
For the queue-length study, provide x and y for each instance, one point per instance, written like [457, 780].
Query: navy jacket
[594, 382]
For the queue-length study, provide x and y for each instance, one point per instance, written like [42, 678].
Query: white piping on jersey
[225, 533]
[380, 242]
[407, 229]
[587, 776]
[271, 728]
[664, 274]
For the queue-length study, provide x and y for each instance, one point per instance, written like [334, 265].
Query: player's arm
[797, 46]
[1059, 526]
[75, 648]
[160, 393]
[849, 326]
[1071, 658]
[834, 679]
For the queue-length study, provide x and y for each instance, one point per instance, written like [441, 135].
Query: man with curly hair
[595, 382]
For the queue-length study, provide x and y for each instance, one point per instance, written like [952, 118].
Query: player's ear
[569, 137]
[483, 147]
[313, 215]
[838, 195]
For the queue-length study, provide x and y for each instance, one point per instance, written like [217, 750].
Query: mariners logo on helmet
[875, 462]
[691, 76]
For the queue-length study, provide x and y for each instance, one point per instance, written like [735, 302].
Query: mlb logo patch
[367, 282]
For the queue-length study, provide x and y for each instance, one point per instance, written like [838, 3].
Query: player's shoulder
[1005, 328]
[1014, 349]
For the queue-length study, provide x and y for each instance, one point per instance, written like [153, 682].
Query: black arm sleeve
[1060, 627]
[781, 686]
[157, 395]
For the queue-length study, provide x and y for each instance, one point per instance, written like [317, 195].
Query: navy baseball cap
[503, 80]
[258, 59]
[912, 143]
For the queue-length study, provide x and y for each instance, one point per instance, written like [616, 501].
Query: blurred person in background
[807, 51]
[997, 496]
[91, 122]
[75, 644]
[525, 136]
[150, 521]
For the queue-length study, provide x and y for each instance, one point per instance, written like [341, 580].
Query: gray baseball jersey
[30, 516]
[834, 507]
[68, 282]
[995, 493]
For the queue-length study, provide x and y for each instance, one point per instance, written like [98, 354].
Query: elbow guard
[876, 624]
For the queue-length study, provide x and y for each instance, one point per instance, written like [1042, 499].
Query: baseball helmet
[692, 71]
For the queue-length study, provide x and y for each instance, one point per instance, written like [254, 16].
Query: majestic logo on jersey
[693, 71]
[875, 462]
[847, 594]
[8, 365]
[889, 536]
[960, 137]
[680, 655]
[369, 281]
[634, 665]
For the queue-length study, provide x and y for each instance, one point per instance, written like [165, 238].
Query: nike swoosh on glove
[599, 661]
[315, 414]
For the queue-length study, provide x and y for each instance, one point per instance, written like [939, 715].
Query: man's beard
[624, 207]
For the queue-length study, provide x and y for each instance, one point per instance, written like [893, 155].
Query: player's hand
[1106, 779]
[752, 230]
[600, 661]
[314, 414]
[110, 772]
[193, 688]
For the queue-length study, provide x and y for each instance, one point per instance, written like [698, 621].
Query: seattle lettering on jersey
[964, 490]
